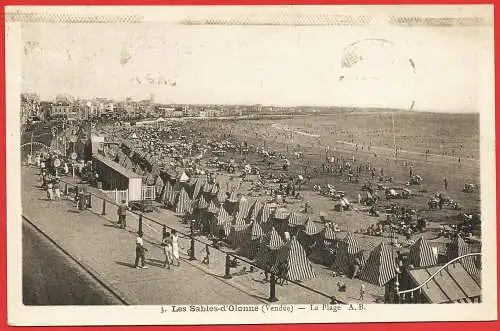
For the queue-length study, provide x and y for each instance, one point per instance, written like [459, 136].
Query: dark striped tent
[243, 209]
[252, 240]
[380, 267]
[281, 214]
[308, 235]
[221, 195]
[268, 250]
[212, 207]
[458, 247]
[292, 262]
[223, 221]
[421, 254]
[327, 236]
[183, 202]
[198, 188]
[237, 234]
[255, 210]
[207, 188]
[347, 253]
[265, 214]
[233, 196]
[202, 202]
[295, 220]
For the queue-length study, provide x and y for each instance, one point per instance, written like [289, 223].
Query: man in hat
[122, 214]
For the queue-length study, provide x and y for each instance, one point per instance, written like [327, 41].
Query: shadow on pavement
[125, 264]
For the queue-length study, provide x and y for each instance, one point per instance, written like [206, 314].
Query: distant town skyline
[268, 65]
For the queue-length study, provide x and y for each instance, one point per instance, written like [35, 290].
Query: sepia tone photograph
[273, 160]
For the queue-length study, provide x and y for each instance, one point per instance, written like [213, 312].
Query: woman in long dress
[166, 242]
[175, 247]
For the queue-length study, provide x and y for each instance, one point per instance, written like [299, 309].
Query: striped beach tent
[255, 210]
[233, 196]
[363, 257]
[327, 236]
[202, 202]
[421, 254]
[295, 219]
[171, 194]
[252, 240]
[281, 214]
[215, 189]
[212, 207]
[347, 252]
[292, 262]
[207, 187]
[243, 209]
[265, 213]
[198, 187]
[269, 249]
[221, 195]
[380, 267]
[308, 234]
[183, 202]
[237, 234]
[458, 247]
[190, 187]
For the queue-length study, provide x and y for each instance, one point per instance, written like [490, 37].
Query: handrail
[204, 243]
[438, 271]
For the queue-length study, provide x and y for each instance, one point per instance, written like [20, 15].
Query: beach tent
[237, 234]
[308, 234]
[183, 202]
[380, 267]
[292, 262]
[268, 250]
[421, 254]
[327, 236]
[251, 241]
[265, 214]
[255, 210]
[347, 252]
[242, 211]
[458, 247]
[295, 220]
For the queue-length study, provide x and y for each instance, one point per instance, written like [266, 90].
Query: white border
[27, 316]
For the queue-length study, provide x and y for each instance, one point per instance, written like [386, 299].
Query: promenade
[108, 253]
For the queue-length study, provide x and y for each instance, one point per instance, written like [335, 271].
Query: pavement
[109, 252]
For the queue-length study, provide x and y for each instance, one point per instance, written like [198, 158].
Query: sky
[280, 64]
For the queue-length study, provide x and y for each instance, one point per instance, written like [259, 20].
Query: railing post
[272, 288]
[140, 224]
[103, 207]
[227, 273]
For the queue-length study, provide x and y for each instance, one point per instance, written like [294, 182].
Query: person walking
[175, 246]
[50, 192]
[166, 242]
[122, 214]
[57, 189]
[140, 252]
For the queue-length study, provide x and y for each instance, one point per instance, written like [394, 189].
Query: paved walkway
[109, 253]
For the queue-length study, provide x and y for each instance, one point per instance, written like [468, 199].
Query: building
[64, 110]
[116, 177]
